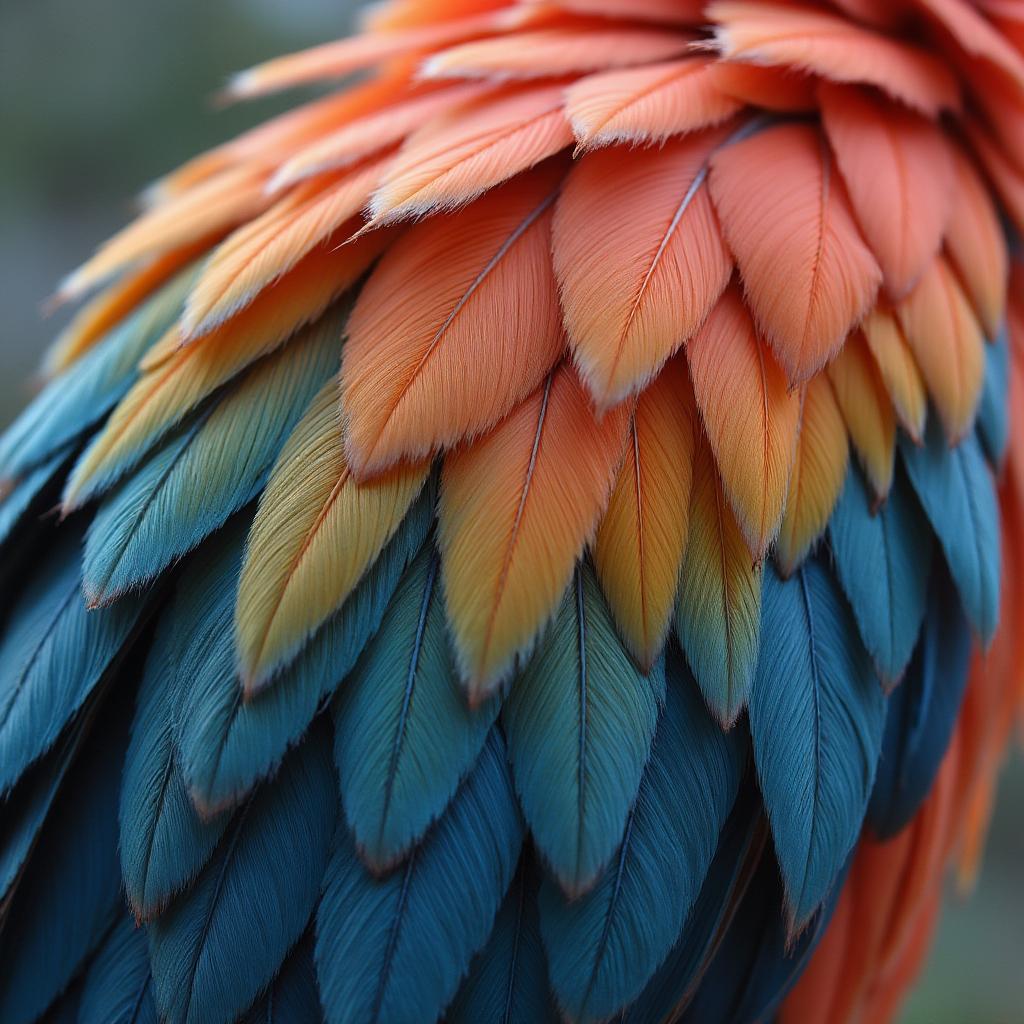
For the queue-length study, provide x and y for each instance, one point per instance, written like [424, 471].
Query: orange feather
[867, 411]
[807, 274]
[947, 342]
[641, 539]
[898, 171]
[517, 508]
[1006, 176]
[750, 417]
[668, 11]
[896, 364]
[639, 258]
[477, 329]
[647, 104]
[781, 89]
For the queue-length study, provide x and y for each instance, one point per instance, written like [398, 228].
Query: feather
[1005, 176]
[663, 11]
[868, 412]
[68, 895]
[292, 997]
[507, 980]
[547, 52]
[807, 274]
[828, 45]
[898, 370]
[580, 721]
[28, 493]
[226, 743]
[315, 534]
[782, 89]
[604, 947]
[751, 419]
[53, 653]
[819, 469]
[898, 171]
[639, 545]
[263, 883]
[209, 470]
[976, 245]
[639, 258]
[718, 617]
[164, 843]
[393, 949]
[182, 378]
[404, 737]
[882, 560]
[947, 343]
[816, 718]
[476, 331]
[517, 508]
[460, 155]
[922, 713]
[994, 407]
[647, 104]
[957, 492]
[118, 987]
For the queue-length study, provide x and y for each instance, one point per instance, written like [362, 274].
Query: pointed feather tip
[242, 85]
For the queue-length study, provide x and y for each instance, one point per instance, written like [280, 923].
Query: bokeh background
[99, 97]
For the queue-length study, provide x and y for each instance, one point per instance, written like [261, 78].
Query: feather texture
[994, 407]
[292, 996]
[807, 274]
[579, 721]
[898, 369]
[118, 987]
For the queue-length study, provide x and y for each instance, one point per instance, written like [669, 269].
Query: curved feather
[898, 170]
[580, 721]
[750, 418]
[603, 947]
[292, 997]
[807, 274]
[316, 532]
[883, 562]
[517, 508]
[212, 468]
[647, 104]
[29, 491]
[994, 407]
[639, 545]
[118, 987]
[816, 718]
[393, 949]
[639, 258]
[718, 617]
[898, 369]
[263, 883]
[956, 489]
[475, 332]
[404, 736]
[819, 469]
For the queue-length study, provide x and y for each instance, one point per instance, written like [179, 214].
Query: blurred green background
[99, 97]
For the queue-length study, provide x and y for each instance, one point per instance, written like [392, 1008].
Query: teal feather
[604, 947]
[392, 950]
[208, 470]
[816, 718]
[957, 491]
[404, 733]
[52, 654]
[579, 721]
[118, 987]
[227, 744]
[16, 506]
[883, 561]
[292, 997]
[994, 407]
[221, 943]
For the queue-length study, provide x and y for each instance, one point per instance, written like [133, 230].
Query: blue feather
[392, 950]
[118, 987]
[816, 718]
[81, 397]
[220, 944]
[164, 843]
[15, 507]
[508, 980]
[882, 560]
[69, 893]
[604, 947]
[404, 733]
[579, 721]
[922, 712]
[292, 997]
[208, 470]
[52, 654]
[227, 744]
[994, 407]
[65, 1010]
[958, 494]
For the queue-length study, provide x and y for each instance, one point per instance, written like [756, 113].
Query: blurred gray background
[98, 98]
